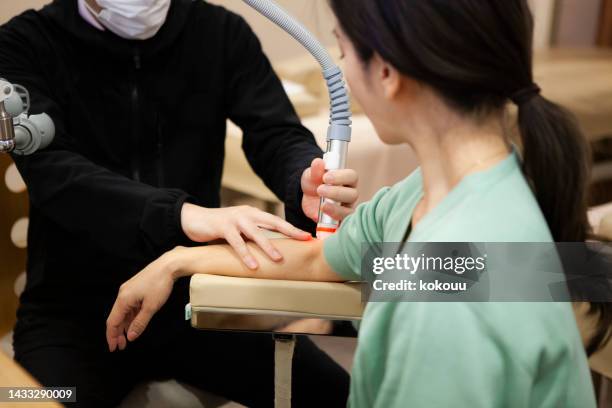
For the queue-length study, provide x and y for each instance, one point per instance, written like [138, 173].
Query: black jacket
[140, 130]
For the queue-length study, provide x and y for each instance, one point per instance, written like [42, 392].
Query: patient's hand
[138, 300]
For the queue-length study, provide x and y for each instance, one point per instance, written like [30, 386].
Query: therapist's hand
[233, 224]
[337, 185]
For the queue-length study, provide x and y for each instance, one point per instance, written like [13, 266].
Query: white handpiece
[335, 159]
[339, 132]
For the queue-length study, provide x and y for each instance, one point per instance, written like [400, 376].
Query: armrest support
[305, 299]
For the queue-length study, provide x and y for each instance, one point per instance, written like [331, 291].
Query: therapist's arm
[143, 295]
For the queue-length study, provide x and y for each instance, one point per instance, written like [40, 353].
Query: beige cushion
[605, 227]
[307, 299]
[580, 80]
[597, 214]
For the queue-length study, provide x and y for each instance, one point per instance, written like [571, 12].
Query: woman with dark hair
[438, 75]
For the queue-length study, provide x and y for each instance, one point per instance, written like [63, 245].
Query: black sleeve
[128, 219]
[276, 144]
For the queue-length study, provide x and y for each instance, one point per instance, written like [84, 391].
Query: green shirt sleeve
[343, 249]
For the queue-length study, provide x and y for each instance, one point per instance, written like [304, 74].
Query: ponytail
[556, 160]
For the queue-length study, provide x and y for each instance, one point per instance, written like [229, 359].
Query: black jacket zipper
[135, 157]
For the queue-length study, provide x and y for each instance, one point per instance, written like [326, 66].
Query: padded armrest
[276, 297]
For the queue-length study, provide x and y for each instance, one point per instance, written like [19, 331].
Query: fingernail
[251, 263]
[322, 190]
[328, 178]
[277, 255]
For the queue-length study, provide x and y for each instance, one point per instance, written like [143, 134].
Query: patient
[438, 76]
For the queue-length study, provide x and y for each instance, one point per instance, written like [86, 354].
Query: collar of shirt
[87, 16]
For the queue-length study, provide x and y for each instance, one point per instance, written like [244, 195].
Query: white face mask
[132, 19]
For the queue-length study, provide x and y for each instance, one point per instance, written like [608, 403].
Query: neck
[450, 147]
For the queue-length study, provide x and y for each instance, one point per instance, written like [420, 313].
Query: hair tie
[526, 94]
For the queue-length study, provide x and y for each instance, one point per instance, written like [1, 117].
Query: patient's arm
[143, 295]
[302, 260]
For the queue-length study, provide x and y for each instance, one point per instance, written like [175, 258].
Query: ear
[389, 77]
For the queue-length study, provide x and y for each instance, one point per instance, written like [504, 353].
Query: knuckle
[137, 326]
[124, 293]
[264, 242]
[149, 309]
[243, 226]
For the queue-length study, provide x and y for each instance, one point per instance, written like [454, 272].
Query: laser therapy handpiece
[20, 133]
[339, 131]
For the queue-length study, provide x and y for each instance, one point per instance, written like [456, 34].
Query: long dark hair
[478, 55]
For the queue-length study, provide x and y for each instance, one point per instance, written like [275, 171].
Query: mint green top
[461, 354]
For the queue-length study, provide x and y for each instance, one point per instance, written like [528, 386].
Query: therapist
[140, 91]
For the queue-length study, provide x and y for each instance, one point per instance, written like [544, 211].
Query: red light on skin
[324, 232]
[329, 230]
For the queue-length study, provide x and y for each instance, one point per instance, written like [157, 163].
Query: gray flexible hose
[340, 116]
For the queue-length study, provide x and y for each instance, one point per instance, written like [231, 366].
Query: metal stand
[284, 346]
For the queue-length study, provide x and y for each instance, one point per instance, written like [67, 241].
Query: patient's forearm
[302, 260]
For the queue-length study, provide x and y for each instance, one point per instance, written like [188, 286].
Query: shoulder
[511, 212]
[26, 37]
[389, 202]
[411, 185]
[504, 211]
[399, 193]
[227, 31]
[25, 23]
[220, 18]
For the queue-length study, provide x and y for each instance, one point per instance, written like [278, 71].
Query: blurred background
[573, 65]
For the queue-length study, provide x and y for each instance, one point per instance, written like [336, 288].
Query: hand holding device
[338, 189]
[339, 131]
